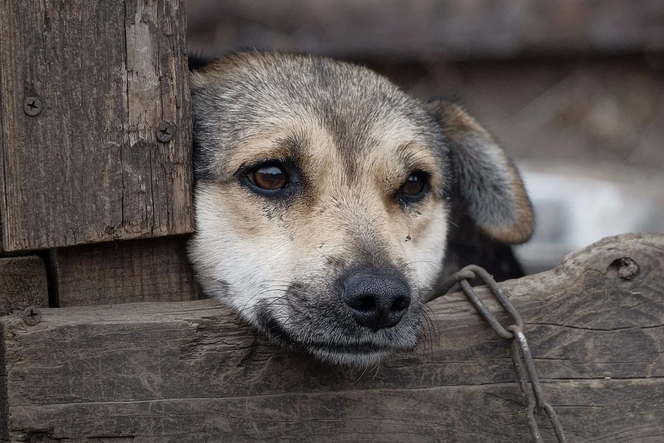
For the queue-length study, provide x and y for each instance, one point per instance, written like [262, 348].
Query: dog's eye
[414, 185]
[268, 177]
[414, 188]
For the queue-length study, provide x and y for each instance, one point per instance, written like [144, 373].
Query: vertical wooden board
[123, 272]
[23, 283]
[89, 167]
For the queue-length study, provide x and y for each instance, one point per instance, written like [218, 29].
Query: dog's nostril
[376, 300]
[400, 304]
[365, 303]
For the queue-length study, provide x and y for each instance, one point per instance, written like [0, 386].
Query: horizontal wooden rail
[416, 29]
[190, 372]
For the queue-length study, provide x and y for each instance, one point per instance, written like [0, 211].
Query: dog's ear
[488, 186]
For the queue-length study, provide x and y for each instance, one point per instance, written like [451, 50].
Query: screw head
[32, 316]
[165, 132]
[32, 106]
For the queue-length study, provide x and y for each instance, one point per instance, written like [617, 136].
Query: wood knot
[625, 268]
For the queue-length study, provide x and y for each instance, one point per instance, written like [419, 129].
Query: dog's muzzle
[358, 319]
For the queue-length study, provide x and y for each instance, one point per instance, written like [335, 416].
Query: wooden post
[22, 284]
[174, 372]
[96, 122]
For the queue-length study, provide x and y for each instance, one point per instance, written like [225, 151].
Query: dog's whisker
[364, 370]
[264, 291]
[377, 365]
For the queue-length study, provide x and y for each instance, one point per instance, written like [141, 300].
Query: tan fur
[355, 138]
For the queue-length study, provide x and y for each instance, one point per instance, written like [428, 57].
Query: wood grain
[22, 284]
[424, 29]
[149, 270]
[171, 372]
[88, 168]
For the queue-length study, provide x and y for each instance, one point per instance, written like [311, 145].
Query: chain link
[521, 355]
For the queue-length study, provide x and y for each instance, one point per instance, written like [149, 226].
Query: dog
[325, 198]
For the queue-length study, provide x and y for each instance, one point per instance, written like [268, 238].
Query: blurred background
[573, 89]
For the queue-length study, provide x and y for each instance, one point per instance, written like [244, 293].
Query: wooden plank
[23, 284]
[415, 29]
[148, 270]
[88, 167]
[441, 414]
[167, 372]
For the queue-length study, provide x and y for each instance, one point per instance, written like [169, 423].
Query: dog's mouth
[276, 331]
[341, 348]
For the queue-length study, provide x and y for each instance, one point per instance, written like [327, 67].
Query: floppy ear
[488, 186]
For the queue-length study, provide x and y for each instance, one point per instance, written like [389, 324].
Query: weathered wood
[412, 29]
[171, 372]
[23, 283]
[89, 167]
[123, 272]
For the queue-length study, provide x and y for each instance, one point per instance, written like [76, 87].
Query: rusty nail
[165, 132]
[32, 316]
[32, 106]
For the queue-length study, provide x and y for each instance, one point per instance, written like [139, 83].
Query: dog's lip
[278, 332]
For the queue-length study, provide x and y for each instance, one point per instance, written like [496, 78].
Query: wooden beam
[149, 270]
[23, 284]
[86, 87]
[416, 29]
[172, 372]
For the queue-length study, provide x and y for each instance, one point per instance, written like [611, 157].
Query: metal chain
[521, 355]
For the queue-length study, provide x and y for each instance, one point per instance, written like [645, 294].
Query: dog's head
[323, 195]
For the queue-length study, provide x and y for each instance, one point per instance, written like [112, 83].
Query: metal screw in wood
[32, 316]
[165, 132]
[32, 106]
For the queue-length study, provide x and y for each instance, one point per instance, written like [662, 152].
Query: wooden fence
[189, 371]
[96, 136]
[95, 163]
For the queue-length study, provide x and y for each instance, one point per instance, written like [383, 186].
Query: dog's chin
[341, 350]
[358, 359]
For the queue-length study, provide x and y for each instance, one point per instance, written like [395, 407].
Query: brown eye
[415, 188]
[269, 177]
[414, 185]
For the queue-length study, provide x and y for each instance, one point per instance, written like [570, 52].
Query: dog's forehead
[260, 100]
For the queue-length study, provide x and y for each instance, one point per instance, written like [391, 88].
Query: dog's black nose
[376, 299]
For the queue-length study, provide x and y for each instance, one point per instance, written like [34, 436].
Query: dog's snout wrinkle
[377, 300]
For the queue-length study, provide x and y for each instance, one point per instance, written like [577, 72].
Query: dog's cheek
[424, 246]
[241, 247]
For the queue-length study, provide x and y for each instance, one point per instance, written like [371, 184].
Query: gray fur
[280, 263]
